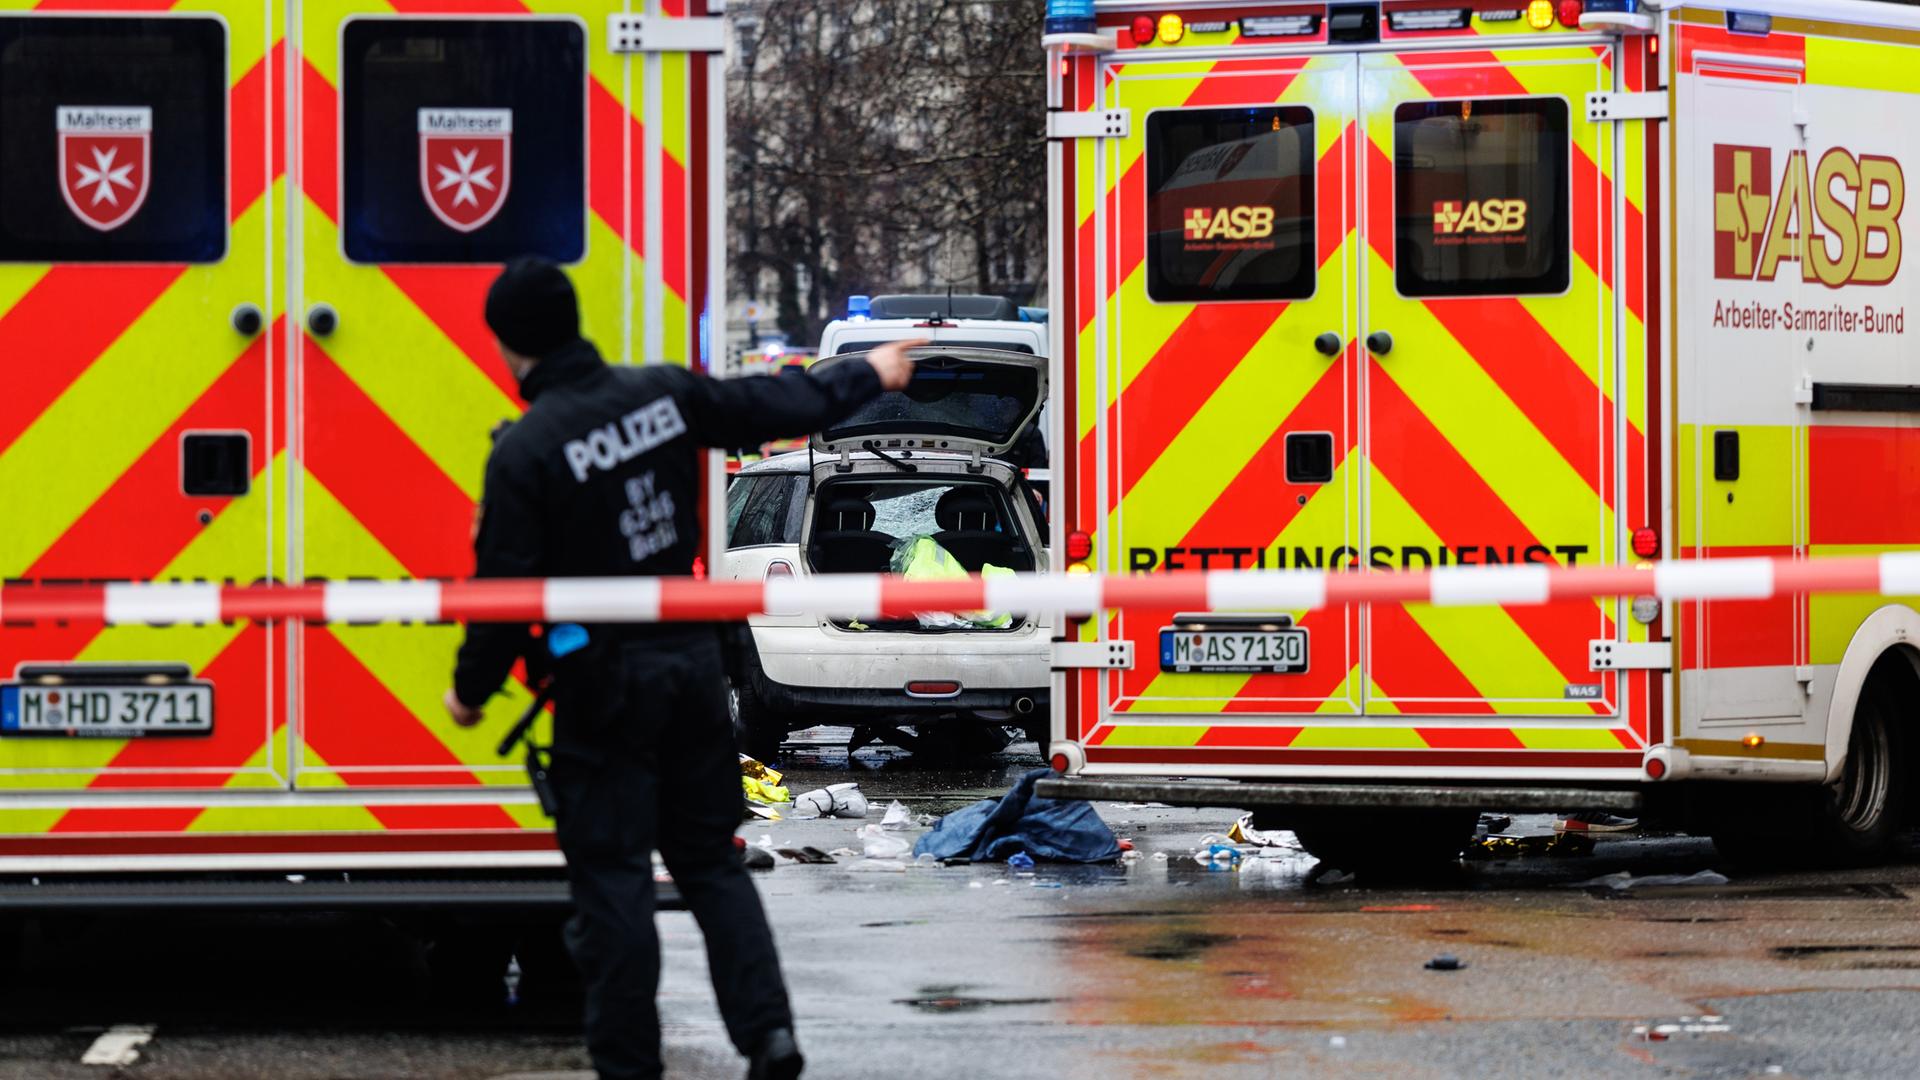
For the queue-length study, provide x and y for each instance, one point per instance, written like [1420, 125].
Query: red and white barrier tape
[649, 600]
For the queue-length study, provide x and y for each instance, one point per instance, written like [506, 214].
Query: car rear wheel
[756, 729]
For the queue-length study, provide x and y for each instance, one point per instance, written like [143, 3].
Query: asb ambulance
[243, 249]
[1357, 287]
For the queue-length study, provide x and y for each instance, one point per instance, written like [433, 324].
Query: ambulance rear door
[1489, 381]
[138, 434]
[433, 148]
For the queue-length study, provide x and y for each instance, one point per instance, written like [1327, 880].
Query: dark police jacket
[601, 476]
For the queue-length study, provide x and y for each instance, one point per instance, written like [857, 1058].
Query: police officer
[601, 477]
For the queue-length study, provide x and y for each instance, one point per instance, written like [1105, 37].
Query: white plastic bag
[876, 843]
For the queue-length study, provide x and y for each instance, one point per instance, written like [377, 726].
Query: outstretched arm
[759, 408]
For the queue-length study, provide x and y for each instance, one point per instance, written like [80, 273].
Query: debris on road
[1446, 962]
[753, 856]
[812, 855]
[876, 844]
[1623, 881]
[1550, 845]
[898, 817]
[1020, 860]
[761, 784]
[759, 791]
[1048, 830]
[118, 1046]
[835, 800]
[1243, 832]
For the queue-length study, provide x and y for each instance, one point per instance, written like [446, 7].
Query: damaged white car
[909, 484]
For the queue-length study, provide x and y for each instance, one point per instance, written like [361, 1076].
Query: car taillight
[779, 568]
[1079, 547]
[1569, 12]
[1646, 542]
[1656, 768]
[931, 688]
[1540, 14]
[1059, 763]
[1143, 30]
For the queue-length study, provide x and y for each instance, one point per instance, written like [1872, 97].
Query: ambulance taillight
[1079, 547]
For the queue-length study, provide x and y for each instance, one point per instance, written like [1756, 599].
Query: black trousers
[644, 759]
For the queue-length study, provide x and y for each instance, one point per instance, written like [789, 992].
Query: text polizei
[650, 426]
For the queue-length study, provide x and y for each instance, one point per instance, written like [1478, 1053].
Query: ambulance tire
[1385, 845]
[466, 965]
[1040, 734]
[1854, 822]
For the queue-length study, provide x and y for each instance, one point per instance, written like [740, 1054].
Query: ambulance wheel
[1040, 733]
[1849, 823]
[1386, 845]
[466, 965]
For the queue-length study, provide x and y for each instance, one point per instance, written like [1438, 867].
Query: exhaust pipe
[1023, 706]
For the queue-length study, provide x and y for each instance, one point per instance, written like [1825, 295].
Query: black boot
[778, 1057]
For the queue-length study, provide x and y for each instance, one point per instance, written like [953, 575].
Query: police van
[1353, 286]
[928, 482]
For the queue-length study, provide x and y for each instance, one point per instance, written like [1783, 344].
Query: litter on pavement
[1552, 845]
[1623, 881]
[876, 843]
[1243, 832]
[761, 785]
[1048, 830]
[835, 800]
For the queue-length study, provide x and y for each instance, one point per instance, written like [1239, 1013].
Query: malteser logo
[1229, 223]
[1487, 216]
[1841, 223]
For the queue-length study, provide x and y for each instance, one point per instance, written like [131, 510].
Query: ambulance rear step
[1239, 795]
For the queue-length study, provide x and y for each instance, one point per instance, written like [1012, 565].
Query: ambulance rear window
[1480, 197]
[464, 140]
[113, 139]
[1230, 204]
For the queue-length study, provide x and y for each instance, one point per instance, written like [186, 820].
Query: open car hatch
[965, 400]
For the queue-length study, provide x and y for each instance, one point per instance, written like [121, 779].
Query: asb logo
[1229, 223]
[1841, 224]
[1488, 216]
[104, 153]
[465, 164]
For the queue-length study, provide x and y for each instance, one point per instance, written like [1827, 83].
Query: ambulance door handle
[1328, 344]
[1379, 343]
[247, 320]
[322, 320]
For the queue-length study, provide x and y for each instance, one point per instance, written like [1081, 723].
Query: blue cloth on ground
[1050, 830]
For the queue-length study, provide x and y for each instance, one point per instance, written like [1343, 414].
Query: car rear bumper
[1019, 706]
[1004, 663]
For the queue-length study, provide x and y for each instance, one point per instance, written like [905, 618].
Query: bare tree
[885, 144]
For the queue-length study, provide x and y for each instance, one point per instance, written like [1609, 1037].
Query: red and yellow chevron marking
[1213, 28]
[1491, 424]
[380, 479]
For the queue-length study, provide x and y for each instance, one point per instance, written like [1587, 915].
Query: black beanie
[531, 307]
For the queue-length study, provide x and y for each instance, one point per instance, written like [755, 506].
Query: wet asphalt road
[1159, 967]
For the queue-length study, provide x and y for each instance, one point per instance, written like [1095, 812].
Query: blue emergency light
[859, 308]
[1069, 17]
